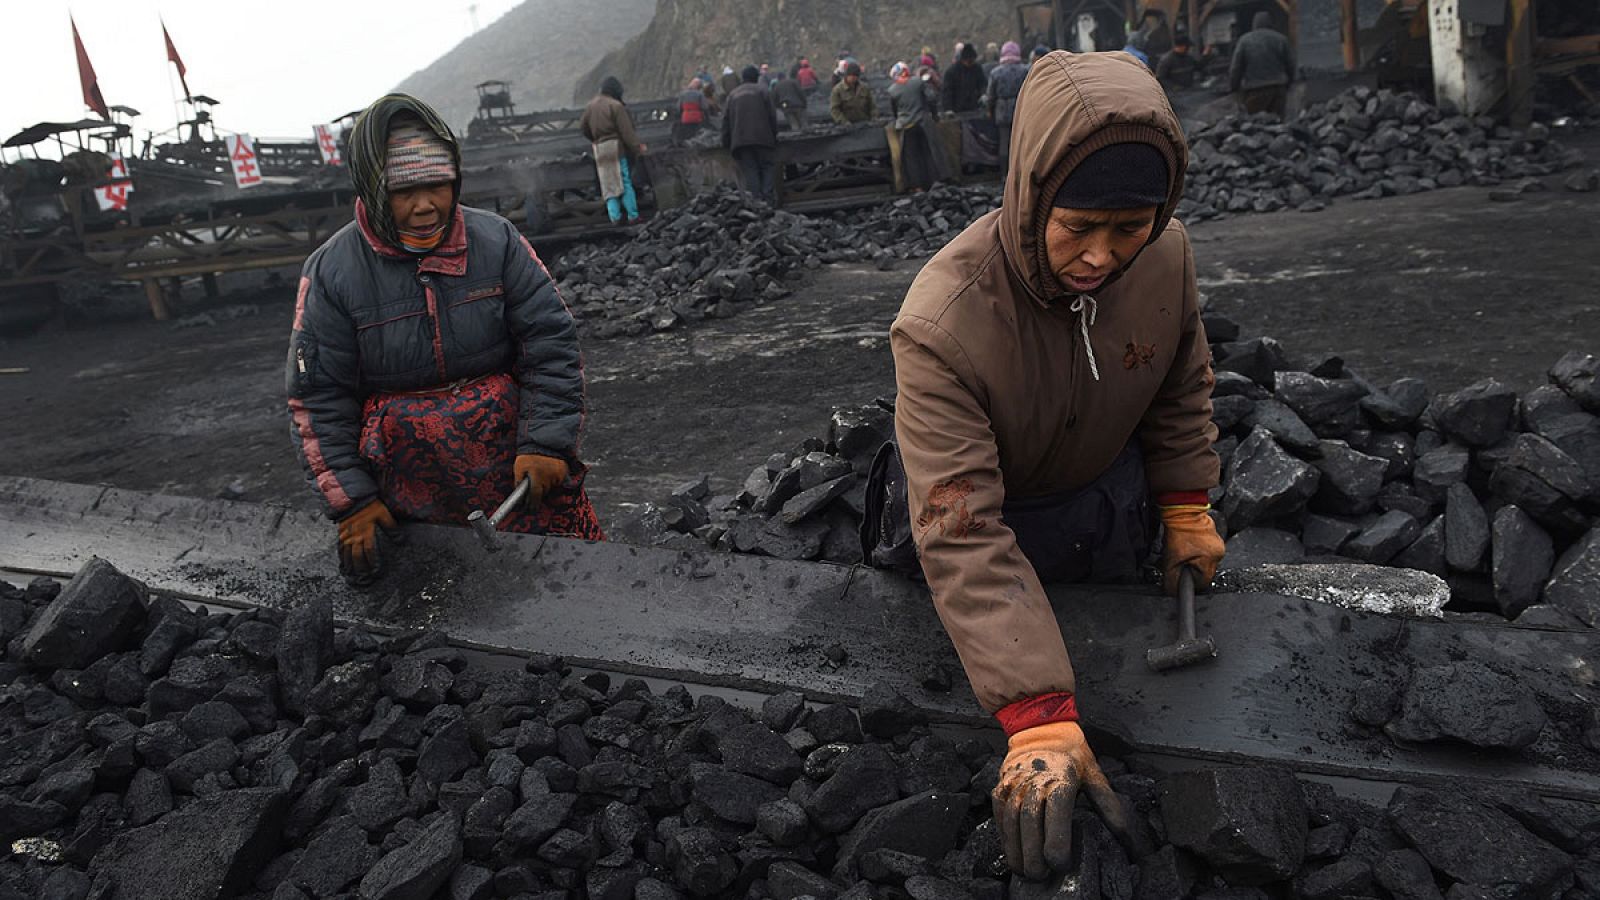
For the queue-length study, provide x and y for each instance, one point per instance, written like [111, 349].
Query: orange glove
[1192, 540]
[1039, 781]
[358, 540]
[545, 471]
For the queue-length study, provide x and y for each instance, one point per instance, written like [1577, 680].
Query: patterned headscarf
[900, 72]
[369, 153]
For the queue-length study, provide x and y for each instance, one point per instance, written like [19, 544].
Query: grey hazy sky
[278, 67]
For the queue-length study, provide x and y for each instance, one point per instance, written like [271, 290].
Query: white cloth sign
[327, 145]
[114, 196]
[242, 153]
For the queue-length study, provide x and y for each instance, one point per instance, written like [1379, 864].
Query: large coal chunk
[1479, 415]
[1250, 824]
[1328, 405]
[305, 649]
[1350, 480]
[925, 825]
[1579, 375]
[1265, 483]
[338, 856]
[418, 869]
[1575, 582]
[700, 864]
[1383, 540]
[1398, 406]
[757, 750]
[866, 778]
[1470, 703]
[1438, 469]
[100, 611]
[1521, 560]
[731, 796]
[1466, 535]
[886, 713]
[1287, 427]
[1478, 846]
[1257, 359]
[209, 849]
[1545, 482]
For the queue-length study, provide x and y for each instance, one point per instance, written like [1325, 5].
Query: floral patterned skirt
[438, 455]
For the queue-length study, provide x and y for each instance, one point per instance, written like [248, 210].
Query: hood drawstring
[1087, 308]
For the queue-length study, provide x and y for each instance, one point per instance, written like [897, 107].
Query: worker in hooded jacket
[1054, 402]
[432, 365]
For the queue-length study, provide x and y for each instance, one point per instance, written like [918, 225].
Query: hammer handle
[1186, 604]
[512, 502]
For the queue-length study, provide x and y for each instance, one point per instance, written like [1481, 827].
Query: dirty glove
[359, 559]
[1039, 782]
[1192, 540]
[545, 471]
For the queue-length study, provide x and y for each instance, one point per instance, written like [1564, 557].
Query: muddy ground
[1447, 286]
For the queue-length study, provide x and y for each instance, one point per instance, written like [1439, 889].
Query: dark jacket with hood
[963, 87]
[1263, 57]
[998, 397]
[370, 317]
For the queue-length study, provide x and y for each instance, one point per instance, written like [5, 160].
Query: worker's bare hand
[1039, 782]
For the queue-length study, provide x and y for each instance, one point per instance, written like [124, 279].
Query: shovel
[1188, 649]
[487, 527]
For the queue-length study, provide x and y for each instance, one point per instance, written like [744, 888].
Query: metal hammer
[487, 526]
[1188, 649]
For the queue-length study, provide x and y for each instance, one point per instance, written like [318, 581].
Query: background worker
[432, 365]
[1262, 68]
[1055, 391]
[750, 133]
[608, 127]
[851, 100]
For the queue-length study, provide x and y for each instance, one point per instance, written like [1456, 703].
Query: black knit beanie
[1119, 176]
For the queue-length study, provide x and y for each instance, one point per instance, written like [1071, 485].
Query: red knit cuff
[1184, 498]
[1059, 706]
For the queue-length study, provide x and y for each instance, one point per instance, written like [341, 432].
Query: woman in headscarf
[432, 365]
[909, 101]
[605, 123]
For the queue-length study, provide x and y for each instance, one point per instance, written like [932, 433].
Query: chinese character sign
[242, 153]
[114, 196]
[327, 145]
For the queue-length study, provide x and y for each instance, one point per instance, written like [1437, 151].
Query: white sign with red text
[114, 196]
[327, 145]
[242, 153]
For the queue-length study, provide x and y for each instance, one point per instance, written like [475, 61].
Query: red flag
[172, 55]
[92, 97]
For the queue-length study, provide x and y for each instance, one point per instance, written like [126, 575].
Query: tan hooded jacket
[997, 395]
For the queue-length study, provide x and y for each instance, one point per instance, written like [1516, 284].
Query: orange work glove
[1039, 782]
[358, 541]
[1192, 540]
[544, 471]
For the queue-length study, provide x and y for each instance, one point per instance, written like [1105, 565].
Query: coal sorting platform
[1290, 673]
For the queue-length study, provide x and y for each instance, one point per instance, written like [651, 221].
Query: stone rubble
[540, 784]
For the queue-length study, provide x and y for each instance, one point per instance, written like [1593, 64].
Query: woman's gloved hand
[544, 471]
[359, 559]
[1039, 781]
[1192, 540]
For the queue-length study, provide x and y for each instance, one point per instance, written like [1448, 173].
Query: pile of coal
[720, 251]
[918, 225]
[1362, 144]
[149, 751]
[1496, 492]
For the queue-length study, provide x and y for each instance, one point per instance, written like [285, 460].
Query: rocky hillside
[688, 34]
[541, 47]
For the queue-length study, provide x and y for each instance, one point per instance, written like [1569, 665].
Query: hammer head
[1183, 653]
[485, 531]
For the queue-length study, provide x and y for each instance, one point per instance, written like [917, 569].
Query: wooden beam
[1568, 46]
[157, 298]
[1350, 35]
[1519, 64]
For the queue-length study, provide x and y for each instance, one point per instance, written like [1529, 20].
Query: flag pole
[177, 114]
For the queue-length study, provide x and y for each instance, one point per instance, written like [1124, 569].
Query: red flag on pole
[172, 55]
[92, 97]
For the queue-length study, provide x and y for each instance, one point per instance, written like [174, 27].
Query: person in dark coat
[432, 365]
[1001, 97]
[750, 133]
[1179, 66]
[1262, 68]
[964, 82]
[791, 98]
